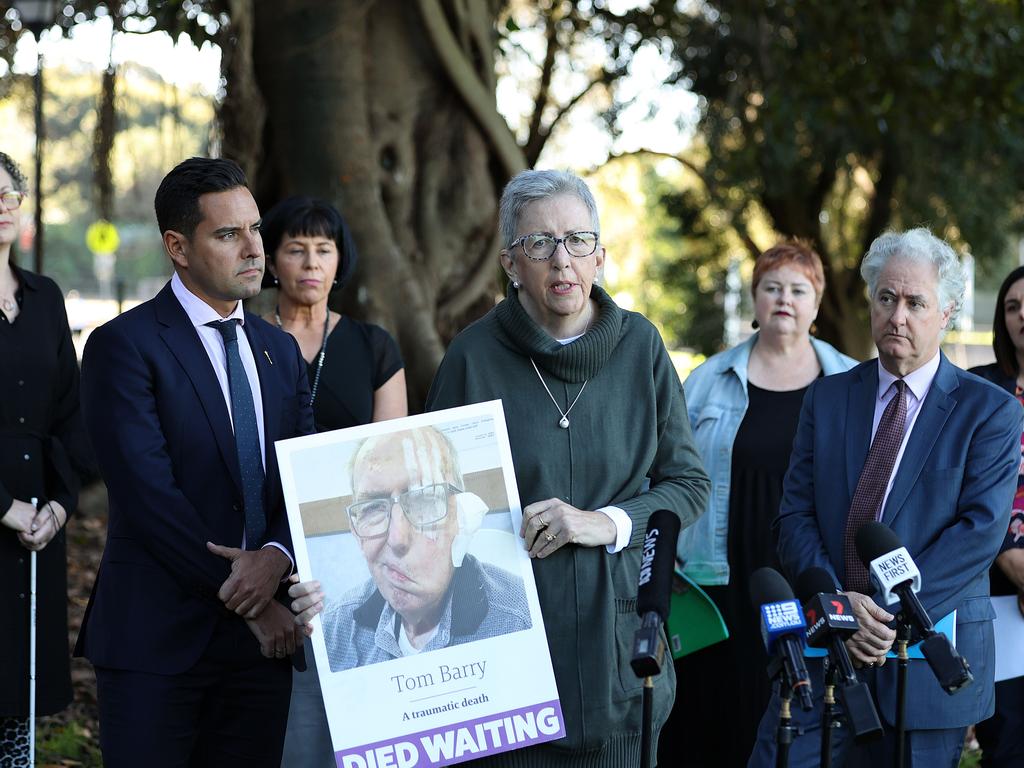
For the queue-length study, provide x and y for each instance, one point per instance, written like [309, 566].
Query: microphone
[783, 629]
[654, 591]
[898, 579]
[830, 622]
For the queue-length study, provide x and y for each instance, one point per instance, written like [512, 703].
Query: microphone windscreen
[657, 564]
[812, 582]
[768, 586]
[874, 540]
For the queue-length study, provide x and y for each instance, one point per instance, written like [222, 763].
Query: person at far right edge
[1002, 735]
[928, 450]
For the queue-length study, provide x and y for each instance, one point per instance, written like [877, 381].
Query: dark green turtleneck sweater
[628, 427]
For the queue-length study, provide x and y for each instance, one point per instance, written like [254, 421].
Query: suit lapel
[859, 417]
[184, 343]
[935, 409]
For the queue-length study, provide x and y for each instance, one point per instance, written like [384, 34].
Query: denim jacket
[716, 400]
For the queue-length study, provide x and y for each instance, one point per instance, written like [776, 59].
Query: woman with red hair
[744, 405]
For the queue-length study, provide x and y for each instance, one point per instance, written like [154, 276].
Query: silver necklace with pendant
[564, 421]
[320, 357]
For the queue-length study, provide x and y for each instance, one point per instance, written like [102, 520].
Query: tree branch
[538, 141]
[734, 216]
[479, 101]
[534, 137]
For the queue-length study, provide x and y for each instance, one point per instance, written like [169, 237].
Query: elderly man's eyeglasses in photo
[541, 247]
[371, 518]
[12, 200]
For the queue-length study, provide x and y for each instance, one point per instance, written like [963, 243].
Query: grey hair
[529, 186]
[17, 177]
[918, 245]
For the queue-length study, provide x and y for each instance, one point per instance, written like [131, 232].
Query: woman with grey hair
[600, 440]
[42, 448]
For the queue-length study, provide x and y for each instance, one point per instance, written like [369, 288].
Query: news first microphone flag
[443, 705]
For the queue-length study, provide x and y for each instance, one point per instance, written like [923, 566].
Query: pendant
[564, 422]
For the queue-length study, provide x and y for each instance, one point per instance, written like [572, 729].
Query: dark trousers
[230, 709]
[1002, 735]
[938, 748]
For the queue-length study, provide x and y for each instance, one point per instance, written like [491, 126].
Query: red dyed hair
[791, 253]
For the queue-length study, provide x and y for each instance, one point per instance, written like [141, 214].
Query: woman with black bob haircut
[1001, 739]
[356, 376]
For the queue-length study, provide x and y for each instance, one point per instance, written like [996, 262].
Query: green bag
[694, 621]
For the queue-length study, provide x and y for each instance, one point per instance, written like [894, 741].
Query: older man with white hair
[928, 450]
[414, 520]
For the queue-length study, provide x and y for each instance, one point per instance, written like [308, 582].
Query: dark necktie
[247, 436]
[874, 479]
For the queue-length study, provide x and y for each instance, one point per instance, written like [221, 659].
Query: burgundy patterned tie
[874, 479]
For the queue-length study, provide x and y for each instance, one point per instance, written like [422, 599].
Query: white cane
[32, 656]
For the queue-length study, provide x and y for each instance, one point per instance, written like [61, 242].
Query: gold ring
[549, 536]
[543, 523]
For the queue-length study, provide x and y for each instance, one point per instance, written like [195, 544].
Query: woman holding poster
[600, 440]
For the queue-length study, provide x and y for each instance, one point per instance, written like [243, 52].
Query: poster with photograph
[431, 620]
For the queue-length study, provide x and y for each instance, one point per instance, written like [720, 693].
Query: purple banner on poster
[460, 742]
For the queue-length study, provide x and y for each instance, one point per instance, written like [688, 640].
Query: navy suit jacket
[949, 505]
[163, 439]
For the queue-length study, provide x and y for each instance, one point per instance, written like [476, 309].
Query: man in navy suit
[190, 646]
[946, 493]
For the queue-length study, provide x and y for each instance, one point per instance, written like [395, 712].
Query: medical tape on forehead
[423, 458]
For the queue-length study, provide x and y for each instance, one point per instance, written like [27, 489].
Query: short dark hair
[177, 197]
[1002, 344]
[299, 216]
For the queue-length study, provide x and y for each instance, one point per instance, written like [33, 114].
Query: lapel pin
[267, 355]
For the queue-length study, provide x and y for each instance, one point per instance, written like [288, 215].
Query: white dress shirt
[200, 313]
[918, 383]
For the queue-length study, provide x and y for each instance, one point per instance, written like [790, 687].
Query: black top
[999, 583]
[730, 675]
[360, 358]
[42, 444]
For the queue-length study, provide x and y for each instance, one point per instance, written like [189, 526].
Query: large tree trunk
[361, 110]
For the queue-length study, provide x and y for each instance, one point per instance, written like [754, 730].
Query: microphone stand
[903, 630]
[828, 716]
[786, 730]
[645, 728]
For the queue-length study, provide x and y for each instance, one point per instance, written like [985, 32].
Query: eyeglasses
[541, 247]
[12, 200]
[371, 519]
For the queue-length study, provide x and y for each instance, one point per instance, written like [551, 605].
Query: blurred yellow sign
[101, 237]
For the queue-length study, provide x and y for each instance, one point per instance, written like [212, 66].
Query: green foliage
[686, 272]
[159, 124]
[839, 120]
[67, 744]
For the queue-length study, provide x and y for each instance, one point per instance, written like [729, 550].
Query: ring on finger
[541, 523]
[549, 536]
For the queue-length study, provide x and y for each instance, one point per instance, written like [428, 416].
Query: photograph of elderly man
[413, 521]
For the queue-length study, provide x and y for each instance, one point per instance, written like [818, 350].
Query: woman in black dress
[744, 405]
[42, 446]
[1002, 735]
[355, 376]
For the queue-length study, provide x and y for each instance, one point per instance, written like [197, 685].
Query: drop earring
[754, 324]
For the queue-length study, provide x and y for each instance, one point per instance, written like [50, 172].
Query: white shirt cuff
[286, 554]
[623, 528]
